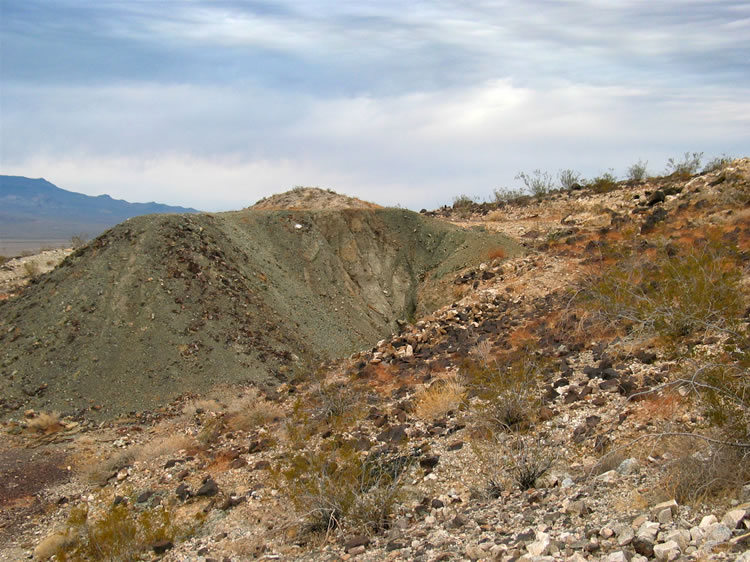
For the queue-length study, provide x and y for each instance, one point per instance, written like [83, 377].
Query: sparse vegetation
[716, 164]
[78, 241]
[638, 171]
[341, 490]
[537, 182]
[568, 179]
[31, 268]
[688, 166]
[510, 195]
[441, 397]
[603, 183]
[45, 422]
[121, 532]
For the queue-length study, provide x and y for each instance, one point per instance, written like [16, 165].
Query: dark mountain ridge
[36, 208]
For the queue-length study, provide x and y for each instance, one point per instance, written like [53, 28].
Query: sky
[215, 104]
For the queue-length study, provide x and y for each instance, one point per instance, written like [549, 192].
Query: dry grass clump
[512, 460]
[498, 253]
[251, 411]
[443, 396]
[45, 423]
[31, 268]
[164, 446]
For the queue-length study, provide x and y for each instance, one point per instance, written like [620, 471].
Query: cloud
[401, 104]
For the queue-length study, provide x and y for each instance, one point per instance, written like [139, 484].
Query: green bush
[510, 195]
[604, 183]
[716, 164]
[671, 295]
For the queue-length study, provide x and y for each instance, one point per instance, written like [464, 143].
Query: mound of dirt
[312, 198]
[167, 304]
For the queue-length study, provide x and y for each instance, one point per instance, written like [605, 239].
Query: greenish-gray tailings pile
[166, 304]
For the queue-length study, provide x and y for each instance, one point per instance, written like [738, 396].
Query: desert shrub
[603, 183]
[164, 446]
[343, 490]
[251, 411]
[512, 460]
[3, 259]
[78, 241]
[45, 422]
[462, 202]
[670, 295]
[122, 532]
[497, 253]
[443, 396]
[716, 164]
[568, 178]
[510, 195]
[537, 182]
[688, 166]
[509, 393]
[530, 459]
[101, 471]
[212, 428]
[704, 475]
[31, 268]
[638, 171]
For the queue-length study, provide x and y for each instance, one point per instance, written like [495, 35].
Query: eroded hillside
[164, 305]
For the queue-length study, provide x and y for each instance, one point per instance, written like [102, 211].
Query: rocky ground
[414, 428]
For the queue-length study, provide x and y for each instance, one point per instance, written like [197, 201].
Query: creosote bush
[603, 183]
[670, 295]
[568, 178]
[121, 533]
[509, 195]
[638, 171]
[537, 182]
[688, 166]
[344, 490]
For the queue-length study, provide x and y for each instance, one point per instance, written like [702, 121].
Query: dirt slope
[168, 304]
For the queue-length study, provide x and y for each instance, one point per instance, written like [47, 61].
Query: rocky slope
[524, 369]
[166, 304]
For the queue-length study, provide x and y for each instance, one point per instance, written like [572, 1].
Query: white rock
[665, 516]
[707, 521]
[648, 531]
[744, 557]
[628, 467]
[669, 550]
[606, 532]
[671, 504]
[697, 535]
[618, 556]
[609, 477]
[680, 536]
[718, 532]
[540, 546]
[732, 518]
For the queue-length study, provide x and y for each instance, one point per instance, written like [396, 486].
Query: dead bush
[498, 253]
[530, 459]
[251, 411]
[45, 422]
[708, 474]
[443, 396]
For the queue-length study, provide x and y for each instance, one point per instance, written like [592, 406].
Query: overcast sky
[215, 104]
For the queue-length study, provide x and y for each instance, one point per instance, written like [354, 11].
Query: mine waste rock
[163, 305]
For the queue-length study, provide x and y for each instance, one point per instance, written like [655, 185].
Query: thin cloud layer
[216, 104]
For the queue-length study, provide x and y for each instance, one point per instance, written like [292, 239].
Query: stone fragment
[209, 488]
[733, 518]
[664, 516]
[160, 547]
[707, 521]
[718, 532]
[625, 534]
[628, 467]
[540, 546]
[680, 536]
[618, 556]
[643, 546]
[648, 531]
[667, 551]
[183, 491]
[697, 535]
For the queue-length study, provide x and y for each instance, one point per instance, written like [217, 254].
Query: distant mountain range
[37, 209]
